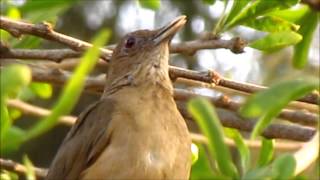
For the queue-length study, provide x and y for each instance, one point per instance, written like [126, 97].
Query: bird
[134, 131]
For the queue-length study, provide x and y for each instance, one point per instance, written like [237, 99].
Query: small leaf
[201, 168]
[5, 121]
[210, 126]
[258, 173]
[283, 167]
[257, 8]
[266, 152]
[209, 2]
[292, 14]
[268, 103]
[275, 41]
[301, 50]
[14, 13]
[13, 78]
[14, 113]
[30, 174]
[43, 90]
[271, 24]
[150, 4]
[13, 140]
[241, 147]
[237, 6]
[195, 152]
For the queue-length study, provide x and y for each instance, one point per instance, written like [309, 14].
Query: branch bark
[21, 169]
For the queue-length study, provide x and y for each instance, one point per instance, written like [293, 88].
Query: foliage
[16, 76]
[281, 167]
[282, 20]
[283, 24]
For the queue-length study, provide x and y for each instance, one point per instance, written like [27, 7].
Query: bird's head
[142, 54]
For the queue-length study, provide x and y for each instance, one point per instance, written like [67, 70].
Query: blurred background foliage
[283, 45]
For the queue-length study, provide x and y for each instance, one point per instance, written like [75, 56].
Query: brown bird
[135, 130]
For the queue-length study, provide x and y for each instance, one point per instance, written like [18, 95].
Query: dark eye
[130, 42]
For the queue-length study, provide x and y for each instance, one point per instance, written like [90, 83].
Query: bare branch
[56, 55]
[21, 169]
[233, 120]
[44, 30]
[96, 85]
[295, 116]
[70, 120]
[35, 110]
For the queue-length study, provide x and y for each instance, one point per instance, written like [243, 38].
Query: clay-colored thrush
[135, 130]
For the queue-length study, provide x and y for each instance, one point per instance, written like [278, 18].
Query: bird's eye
[130, 42]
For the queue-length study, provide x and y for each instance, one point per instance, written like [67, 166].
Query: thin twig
[20, 169]
[35, 110]
[30, 109]
[295, 116]
[44, 30]
[94, 84]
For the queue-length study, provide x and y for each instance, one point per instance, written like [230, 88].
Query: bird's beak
[168, 31]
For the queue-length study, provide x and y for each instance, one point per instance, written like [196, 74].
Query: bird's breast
[149, 140]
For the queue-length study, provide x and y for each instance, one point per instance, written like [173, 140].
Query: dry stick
[273, 131]
[96, 84]
[297, 105]
[299, 117]
[44, 30]
[213, 77]
[234, 121]
[21, 169]
[27, 108]
[35, 110]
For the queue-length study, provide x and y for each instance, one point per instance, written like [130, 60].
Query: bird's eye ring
[130, 42]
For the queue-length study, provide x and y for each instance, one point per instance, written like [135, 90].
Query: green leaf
[5, 121]
[194, 152]
[73, 89]
[277, 40]
[26, 42]
[210, 126]
[241, 147]
[13, 140]
[301, 50]
[14, 113]
[13, 78]
[268, 103]
[283, 167]
[258, 8]
[43, 90]
[201, 168]
[237, 6]
[14, 13]
[209, 2]
[292, 14]
[258, 173]
[30, 174]
[266, 152]
[271, 24]
[150, 4]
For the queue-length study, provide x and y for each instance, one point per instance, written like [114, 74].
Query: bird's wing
[84, 143]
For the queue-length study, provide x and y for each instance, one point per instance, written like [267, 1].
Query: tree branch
[21, 169]
[96, 85]
[44, 30]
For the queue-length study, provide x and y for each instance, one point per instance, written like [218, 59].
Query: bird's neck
[151, 77]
